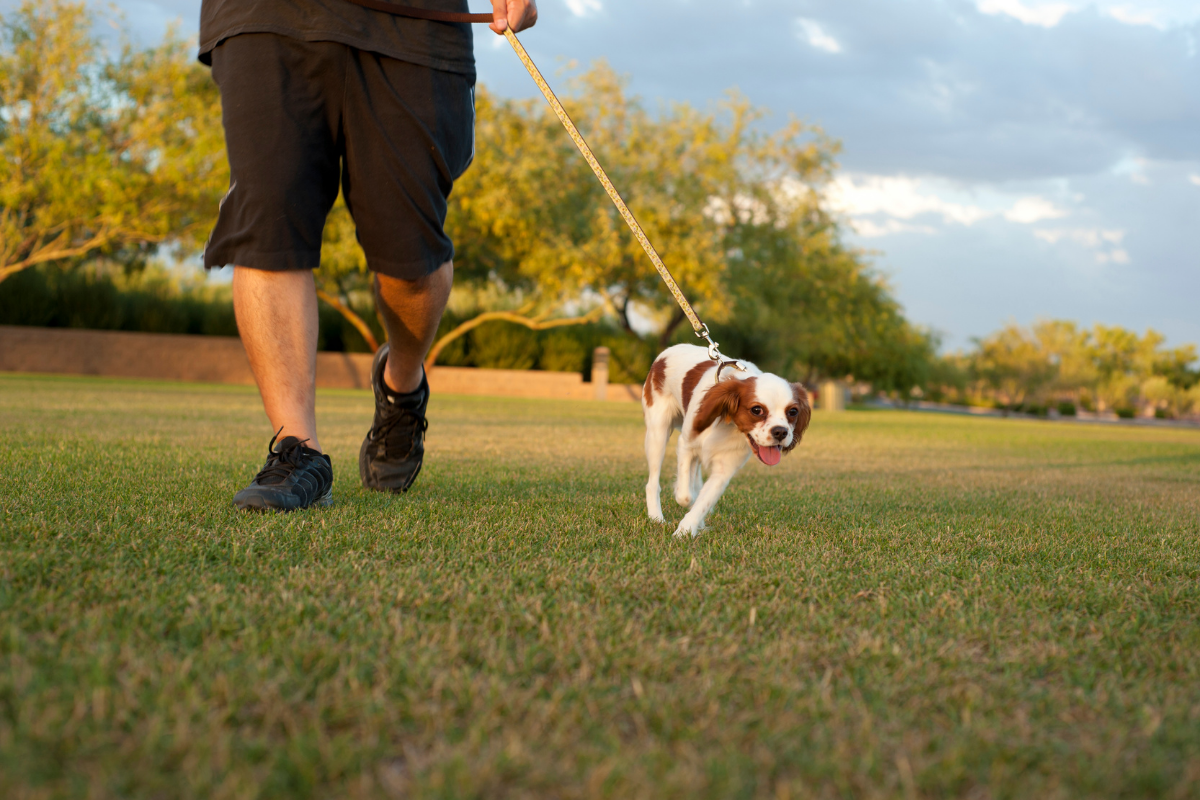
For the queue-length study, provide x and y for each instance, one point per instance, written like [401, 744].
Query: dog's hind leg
[658, 431]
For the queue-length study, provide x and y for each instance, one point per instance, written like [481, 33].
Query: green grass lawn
[910, 605]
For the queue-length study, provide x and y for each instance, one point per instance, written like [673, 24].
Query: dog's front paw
[684, 499]
[654, 510]
[688, 528]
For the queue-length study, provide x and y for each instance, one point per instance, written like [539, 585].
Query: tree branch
[52, 252]
[675, 322]
[351, 317]
[533, 323]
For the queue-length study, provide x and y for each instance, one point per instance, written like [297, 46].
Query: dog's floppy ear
[720, 402]
[802, 418]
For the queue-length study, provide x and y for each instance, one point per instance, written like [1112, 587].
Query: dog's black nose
[779, 432]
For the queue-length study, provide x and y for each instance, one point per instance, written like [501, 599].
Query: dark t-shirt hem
[444, 65]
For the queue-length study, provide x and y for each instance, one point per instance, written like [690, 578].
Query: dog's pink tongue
[770, 455]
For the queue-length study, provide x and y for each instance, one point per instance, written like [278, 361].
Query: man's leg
[392, 452]
[281, 100]
[277, 319]
[411, 311]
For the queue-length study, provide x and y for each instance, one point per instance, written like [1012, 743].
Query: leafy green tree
[541, 225]
[100, 157]
[1176, 366]
[737, 215]
[804, 305]
[1015, 364]
[1123, 361]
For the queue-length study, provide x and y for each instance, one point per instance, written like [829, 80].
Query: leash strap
[699, 327]
[613, 194]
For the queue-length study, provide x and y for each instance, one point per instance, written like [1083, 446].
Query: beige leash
[699, 327]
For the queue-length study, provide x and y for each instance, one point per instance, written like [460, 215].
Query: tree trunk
[623, 317]
[665, 336]
[533, 323]
[351, 317]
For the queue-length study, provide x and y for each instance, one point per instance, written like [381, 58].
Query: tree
[804, 305]
[540, 223]
[719, 199]
[1014, 363]
[799, 301]
[96, 157]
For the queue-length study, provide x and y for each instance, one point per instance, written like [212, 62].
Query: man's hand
[515, 14]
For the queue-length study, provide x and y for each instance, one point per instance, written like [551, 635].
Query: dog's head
[771, 412]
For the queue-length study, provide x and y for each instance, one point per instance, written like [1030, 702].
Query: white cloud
[1131, 15]
[1046, 15]
[1134, 168]
[816, 36]
[880, 206]
[581, 8]
[871, 230]
[1029, 210]
[897, 197]
[1106, 243]
[1088, 237]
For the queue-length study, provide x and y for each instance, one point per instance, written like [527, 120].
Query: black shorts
[302, 116]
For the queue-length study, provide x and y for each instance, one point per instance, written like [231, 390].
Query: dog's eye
[793, 412]
[756, 411]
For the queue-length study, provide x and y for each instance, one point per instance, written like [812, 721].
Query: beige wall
[221, 359]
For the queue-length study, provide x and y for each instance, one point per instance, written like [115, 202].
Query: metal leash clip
[714, 352]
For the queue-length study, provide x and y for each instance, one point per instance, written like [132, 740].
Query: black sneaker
[294, 477]
[390, 458]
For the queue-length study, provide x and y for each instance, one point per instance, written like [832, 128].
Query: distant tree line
[1058, 365]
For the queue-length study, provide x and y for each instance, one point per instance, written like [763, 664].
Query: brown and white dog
[720, 425]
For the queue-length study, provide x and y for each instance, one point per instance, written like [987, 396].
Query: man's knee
[255, 279]
[437, 282]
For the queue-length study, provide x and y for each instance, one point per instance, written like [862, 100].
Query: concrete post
[833, 396]
[600, 372]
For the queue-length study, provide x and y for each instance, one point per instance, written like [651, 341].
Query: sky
[1002, 160]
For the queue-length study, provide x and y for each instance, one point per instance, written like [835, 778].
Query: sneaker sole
[324, 500]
